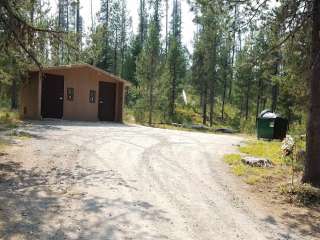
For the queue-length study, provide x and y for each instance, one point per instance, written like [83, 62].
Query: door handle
[61, 98]
[101, 101]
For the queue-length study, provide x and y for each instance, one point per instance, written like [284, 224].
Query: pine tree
[148, 62]
[176, 62]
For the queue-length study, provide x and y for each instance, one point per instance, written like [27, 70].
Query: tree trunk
[233, 49]
[211, 105]
[141, 26]
[275, 91]
[224, 92]
[107, 15]
[91, 13]
[78, 29]
[115, 55]
[259, 96]
[167, 24]
[67, 53]
[312, 164]
[150, 103]
[204, 105]
[14, 104]
[275, 87]
[247, 99]
[241, 106]
[173, 92]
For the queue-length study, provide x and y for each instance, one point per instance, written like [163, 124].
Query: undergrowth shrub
[303, 194]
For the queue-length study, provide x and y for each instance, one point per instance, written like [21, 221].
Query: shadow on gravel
[24, 134]
[38, 205]
[55, 124]
[305, 224]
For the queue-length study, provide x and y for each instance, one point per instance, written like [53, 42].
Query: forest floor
[77, 180]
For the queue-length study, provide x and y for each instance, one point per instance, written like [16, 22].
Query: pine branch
[11, 13]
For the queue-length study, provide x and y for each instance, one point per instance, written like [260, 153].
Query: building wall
[29, 97]
[82, 80]
[120, 100]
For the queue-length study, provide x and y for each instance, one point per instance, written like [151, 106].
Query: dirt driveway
[109, 181]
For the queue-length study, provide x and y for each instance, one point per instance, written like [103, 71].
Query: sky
[188, 27]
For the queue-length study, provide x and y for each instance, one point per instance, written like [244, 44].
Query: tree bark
[78, 29]
[247, 99]
[150, 103]
[259, 96]
[204, 105]
[173, 91]
[224, 95]
[275, 91]
[115, 54]
[275, 87]
[91, 13]
[233, 49]
[167, 24]
[14, 104]
[211, 105]
[312, 164]
[142, 20]
[224, 98]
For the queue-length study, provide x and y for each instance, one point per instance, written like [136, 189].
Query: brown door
[52, 96]
[107, 100]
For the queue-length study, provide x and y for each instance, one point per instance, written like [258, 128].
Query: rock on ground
[256, 162]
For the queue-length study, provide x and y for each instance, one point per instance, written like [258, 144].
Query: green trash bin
[271, 126]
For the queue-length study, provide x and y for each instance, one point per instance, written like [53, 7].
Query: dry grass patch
[301, 194]
[8, 119]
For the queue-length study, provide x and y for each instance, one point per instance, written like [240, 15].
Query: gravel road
[72, 180]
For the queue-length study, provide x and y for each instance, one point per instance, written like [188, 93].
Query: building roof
[83, 65]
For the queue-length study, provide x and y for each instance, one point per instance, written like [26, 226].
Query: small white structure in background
[184, 96]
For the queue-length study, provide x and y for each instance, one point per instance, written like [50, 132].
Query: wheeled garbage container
[271, 125]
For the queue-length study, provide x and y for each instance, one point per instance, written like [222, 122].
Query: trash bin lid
[268, 114]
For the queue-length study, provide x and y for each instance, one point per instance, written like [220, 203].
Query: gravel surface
[72, 180]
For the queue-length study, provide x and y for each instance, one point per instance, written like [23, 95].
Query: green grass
[254, 175]
[270, 150]
[128, 116]
[232, 159]
[279, 174]
[250, 175]
[8, 120]
[239, 169]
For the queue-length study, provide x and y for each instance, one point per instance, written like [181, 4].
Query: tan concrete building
[73, 92]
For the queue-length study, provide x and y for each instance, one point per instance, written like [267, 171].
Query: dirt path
[111, 181]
